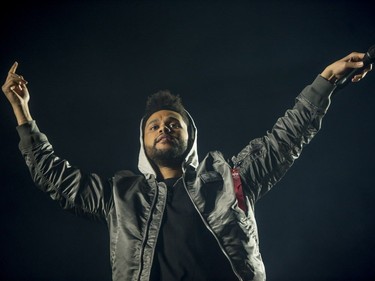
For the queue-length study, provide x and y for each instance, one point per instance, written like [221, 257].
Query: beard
[172, 156]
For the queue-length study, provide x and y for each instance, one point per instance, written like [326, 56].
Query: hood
[191, 158]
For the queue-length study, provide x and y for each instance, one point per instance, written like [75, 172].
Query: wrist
[329, 75]
[22, 113]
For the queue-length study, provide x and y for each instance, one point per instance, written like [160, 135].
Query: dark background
[238, 66]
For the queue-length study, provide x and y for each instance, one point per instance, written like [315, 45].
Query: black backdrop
[238, 66]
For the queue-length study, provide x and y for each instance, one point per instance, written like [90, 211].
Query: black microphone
[368, 59]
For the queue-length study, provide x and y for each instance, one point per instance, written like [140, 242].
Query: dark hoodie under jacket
[132, 205]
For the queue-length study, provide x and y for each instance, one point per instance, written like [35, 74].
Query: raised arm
[266, 159]
[83, 193]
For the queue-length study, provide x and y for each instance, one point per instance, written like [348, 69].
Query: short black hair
[164, 100]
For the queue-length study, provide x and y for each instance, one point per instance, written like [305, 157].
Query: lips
[164, 137]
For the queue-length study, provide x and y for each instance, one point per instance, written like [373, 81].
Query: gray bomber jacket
[132, 205]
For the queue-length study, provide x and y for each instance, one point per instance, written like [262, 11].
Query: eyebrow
[168, 118]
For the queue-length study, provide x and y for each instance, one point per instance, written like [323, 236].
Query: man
[180, 219]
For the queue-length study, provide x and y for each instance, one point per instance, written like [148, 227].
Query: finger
[366, 70]
[18, 78]
[354, 64]
[357, 57]
[13, 68]
[15, 77]
[12, 74]
[13, 89]
[360, 76]
[354, 56]
[13, 83]
[24, 87]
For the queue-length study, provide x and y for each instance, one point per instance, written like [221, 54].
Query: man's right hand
[18, 95]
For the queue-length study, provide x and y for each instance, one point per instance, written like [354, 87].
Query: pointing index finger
[13, 68]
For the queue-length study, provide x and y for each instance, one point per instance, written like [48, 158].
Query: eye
[174, 125]
[154, 127]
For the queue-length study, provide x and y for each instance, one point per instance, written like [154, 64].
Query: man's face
[166, 138]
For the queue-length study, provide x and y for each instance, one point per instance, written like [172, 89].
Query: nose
[165, 129]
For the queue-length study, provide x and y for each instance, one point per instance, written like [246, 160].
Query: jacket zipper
[147, 230]
[210, 230]
[159, 226]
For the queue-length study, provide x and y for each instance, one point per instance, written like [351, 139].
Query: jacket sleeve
[82, 193]
[264, 161]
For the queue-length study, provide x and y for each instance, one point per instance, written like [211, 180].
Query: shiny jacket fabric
[132, 204]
